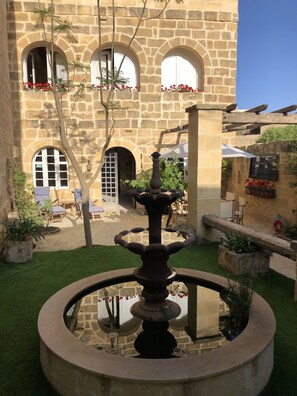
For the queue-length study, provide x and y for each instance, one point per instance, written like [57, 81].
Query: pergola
[244, 122]
[249, 120]
[205, 129]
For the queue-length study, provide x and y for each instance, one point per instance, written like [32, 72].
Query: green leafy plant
[238, 243]
[23, 197]
[47, 208]
[171, 177]
[23, 229]
[142, 180]
[279, 133]
[238, 296]
[226, 169]
[291, 164]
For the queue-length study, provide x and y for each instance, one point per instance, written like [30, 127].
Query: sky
[267, 54]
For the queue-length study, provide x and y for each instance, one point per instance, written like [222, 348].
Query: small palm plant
[238, 243]
[23, 229]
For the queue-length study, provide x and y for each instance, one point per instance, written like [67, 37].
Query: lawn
[24, 288]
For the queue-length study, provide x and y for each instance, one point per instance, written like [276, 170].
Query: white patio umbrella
[182, 150]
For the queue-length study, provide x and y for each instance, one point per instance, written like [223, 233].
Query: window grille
[264, 167]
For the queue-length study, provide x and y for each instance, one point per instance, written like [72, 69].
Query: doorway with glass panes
[119, 165]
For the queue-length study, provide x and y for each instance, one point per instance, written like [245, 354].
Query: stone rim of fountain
[59, 346]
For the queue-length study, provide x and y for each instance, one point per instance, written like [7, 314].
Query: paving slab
[71, 235]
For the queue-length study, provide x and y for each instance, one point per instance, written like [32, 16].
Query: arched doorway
[119, 165]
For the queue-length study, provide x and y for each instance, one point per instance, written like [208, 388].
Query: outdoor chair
[239, 210]
[182, 208]
[41, 194]
[179, 209]
[230, 196]
[95, 211]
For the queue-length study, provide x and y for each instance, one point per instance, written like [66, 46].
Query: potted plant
[19, 235]
[238, 255]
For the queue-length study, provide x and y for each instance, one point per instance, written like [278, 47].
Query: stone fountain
[243, 366]
[155, 275]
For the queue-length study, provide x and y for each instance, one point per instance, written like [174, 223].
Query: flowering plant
[261, 185]
[117, 87]
[65, 87]
[179, 88]
[44, 87]
[261, 188]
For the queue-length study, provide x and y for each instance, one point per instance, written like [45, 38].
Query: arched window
[180, 67]
[36, 66]
[110, 65]
[50, 168]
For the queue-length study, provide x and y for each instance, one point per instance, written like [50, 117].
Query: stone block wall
[6, 131]
[207, 31]
[259, 207]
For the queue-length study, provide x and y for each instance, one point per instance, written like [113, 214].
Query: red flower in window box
[260, 188]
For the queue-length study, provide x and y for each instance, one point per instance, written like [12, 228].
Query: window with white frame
[36, 66]
[110, 65]
[180, 67]
[50, 168]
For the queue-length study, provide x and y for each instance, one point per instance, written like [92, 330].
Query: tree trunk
[86, 219]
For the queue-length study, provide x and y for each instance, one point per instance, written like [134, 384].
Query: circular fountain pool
[242, 366]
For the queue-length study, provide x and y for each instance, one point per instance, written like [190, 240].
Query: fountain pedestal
[154, 275]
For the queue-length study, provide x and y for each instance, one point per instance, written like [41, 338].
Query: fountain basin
[73, 368]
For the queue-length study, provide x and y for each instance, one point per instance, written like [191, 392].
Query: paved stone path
[71, 235]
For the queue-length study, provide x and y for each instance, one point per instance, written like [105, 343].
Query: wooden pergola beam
[260, 119]
[257, 109]
[231, 107]
[248, 120]
[286, 110]
[241, 127]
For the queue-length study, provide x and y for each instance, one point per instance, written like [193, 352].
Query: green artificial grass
[24, 288]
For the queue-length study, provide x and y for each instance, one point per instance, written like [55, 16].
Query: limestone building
[193, 43]
[6, 130]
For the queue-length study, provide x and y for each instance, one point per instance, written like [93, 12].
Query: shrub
[226, 169]
[26, 207]
[172, 177]
[287, 133]
[23, 229]
[238, 243]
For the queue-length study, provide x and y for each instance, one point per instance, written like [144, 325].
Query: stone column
[205, 158]
[294, 247]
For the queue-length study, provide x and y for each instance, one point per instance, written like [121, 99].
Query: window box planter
[244, 263]
[257, 192]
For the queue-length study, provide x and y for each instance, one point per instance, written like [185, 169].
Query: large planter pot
[244, 263]
[18, 252]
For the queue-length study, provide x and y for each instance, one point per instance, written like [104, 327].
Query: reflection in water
[105, 322]
[141, 235]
